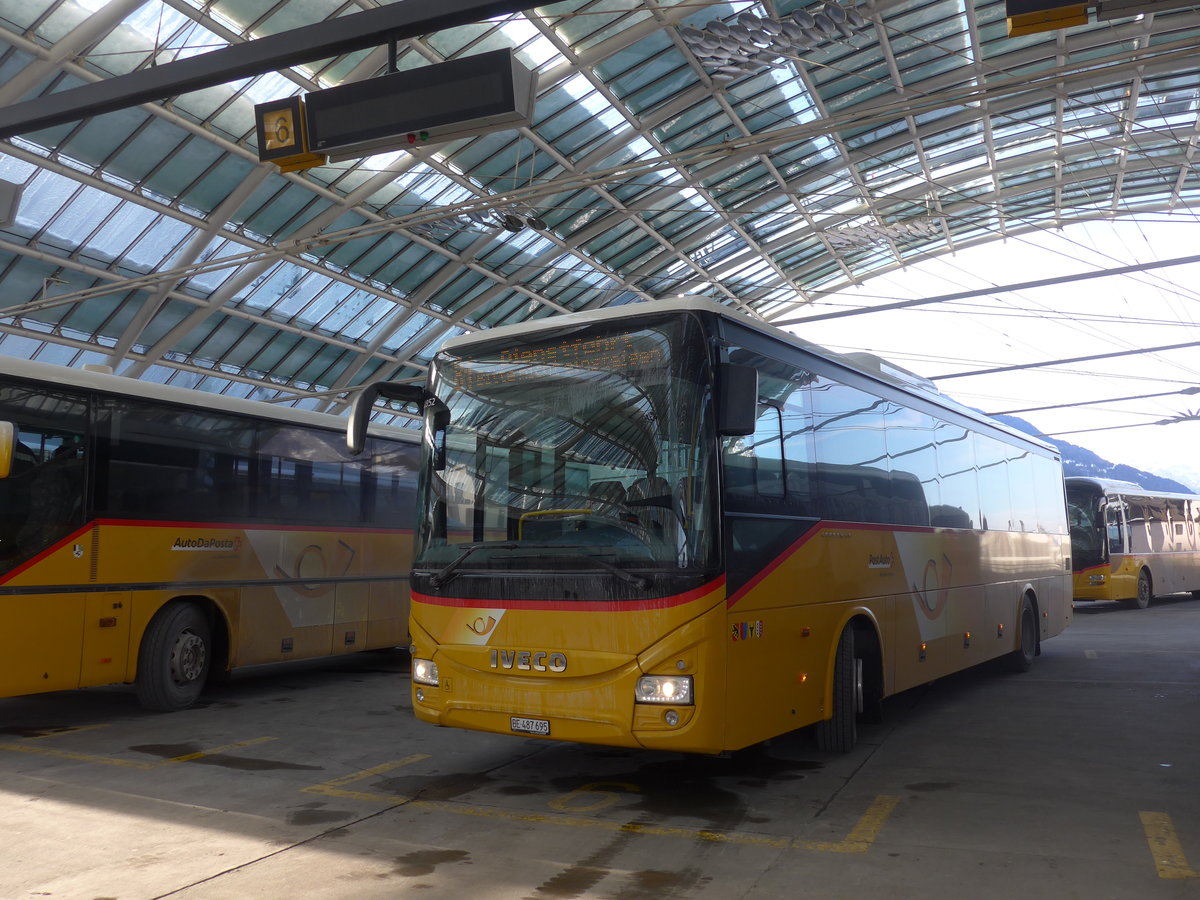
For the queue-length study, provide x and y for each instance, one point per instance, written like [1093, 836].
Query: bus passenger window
[754, 463]
[55, 496]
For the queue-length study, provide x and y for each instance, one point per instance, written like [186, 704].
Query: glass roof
[760, 154]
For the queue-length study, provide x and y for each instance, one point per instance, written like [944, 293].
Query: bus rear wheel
[839, 733]
[1021, 659]
[174, 658]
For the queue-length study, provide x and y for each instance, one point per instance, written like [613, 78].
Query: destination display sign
[607, 353]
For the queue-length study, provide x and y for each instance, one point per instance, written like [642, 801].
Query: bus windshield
[574, 451]
[1087, 526]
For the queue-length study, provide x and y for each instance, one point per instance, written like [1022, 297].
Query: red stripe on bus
[62, 542]
[582, 605]
[770, 567]
[148, 523]
[234, 526]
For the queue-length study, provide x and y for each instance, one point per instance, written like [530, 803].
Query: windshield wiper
[441, 576]
[447, 572]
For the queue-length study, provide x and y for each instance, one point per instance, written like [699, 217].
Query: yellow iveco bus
[150, 534]
[671, 526]
[1129, 543]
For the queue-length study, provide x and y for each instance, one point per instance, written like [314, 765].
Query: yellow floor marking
[79, 757]
[128, 763]
[200, 754]
[859, 840]
[333, 788]
[1168, 854]
[74, 729]
[863, 835]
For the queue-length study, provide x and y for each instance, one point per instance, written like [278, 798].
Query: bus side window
[754, 463]
[55, 494]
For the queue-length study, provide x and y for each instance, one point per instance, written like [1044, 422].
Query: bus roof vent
[872, 363]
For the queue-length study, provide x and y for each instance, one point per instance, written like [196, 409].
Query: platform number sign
[281, 135]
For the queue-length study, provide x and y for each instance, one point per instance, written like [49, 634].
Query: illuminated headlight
[424, 671]
[1095, 579]
[675, 689]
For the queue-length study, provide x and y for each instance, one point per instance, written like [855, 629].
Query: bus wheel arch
[1145, 590]
[855, 685]
[177, 653]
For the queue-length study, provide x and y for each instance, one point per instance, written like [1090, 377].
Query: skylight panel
[15, 170]
[414, 323]
[85, 212]
[532, 47]
[594, 102]
[122, 228]
[271, 86]
[43, 197]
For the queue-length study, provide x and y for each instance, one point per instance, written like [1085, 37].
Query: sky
[1036, 325]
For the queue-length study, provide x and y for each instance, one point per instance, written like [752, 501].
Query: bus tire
[1145, 591]
[1021, 659]
[839, 733]
[174, 658]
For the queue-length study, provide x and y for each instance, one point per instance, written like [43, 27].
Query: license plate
[530, 726]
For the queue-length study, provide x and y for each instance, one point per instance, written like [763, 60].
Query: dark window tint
[43, 499]
[163, 462]
[959, 506]
[991, 466]
[851, 481]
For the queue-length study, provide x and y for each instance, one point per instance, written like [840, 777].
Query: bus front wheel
[1145, 591]
[839, 733]
[174, 658]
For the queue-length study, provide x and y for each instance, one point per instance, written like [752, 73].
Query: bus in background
[150, 534]
[1130, 544]
[671, 526]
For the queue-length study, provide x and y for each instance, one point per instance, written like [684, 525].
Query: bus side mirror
[8, 447]
[737, 399]
[360, 412]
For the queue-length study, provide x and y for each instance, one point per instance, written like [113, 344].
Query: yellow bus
[152, 534]
[672, 526]
[1130, 544]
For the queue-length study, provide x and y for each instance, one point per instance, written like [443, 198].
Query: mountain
[1081, 461]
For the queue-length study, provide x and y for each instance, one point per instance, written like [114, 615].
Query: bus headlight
[674, 689]
[424, 671]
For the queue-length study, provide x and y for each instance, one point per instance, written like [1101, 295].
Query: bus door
[1115, 527]
[42, 501]
[1122, 574]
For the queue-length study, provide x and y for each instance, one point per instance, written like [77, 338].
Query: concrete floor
[1080, 778]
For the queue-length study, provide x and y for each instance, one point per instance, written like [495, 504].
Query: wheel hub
[187, 658]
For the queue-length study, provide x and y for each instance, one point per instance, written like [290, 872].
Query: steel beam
[321, 40]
